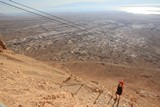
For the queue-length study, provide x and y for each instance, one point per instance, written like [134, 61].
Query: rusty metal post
[100, 92]
[79, 89]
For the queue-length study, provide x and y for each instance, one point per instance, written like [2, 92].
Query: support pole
[100, 92]
[79, 89]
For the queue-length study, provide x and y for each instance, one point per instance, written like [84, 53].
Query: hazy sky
[133, 6]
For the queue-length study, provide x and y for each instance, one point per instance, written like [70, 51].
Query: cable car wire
[43, 12]
[39, 14]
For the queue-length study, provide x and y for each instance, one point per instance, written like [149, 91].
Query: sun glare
[141, 10]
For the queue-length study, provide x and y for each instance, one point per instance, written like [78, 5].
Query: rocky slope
[26, 82]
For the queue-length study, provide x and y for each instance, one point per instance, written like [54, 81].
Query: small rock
[53, 97]
[2, 63]
[103, 63]
[20, 106]
[94, 93]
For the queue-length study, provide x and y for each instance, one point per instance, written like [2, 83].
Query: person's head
[121, 82]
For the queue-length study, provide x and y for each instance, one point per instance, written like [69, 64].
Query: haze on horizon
[130, 6]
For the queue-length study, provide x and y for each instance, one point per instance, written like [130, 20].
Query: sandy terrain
[26, 82]
[140, 83]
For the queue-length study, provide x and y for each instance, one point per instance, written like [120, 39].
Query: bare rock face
[1, 49]
[2, 46]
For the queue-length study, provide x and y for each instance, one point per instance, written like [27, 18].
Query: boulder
[2, 45]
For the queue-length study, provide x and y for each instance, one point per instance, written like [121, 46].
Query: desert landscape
[48, 64]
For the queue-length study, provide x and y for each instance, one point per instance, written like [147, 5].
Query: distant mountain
[4, 16]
